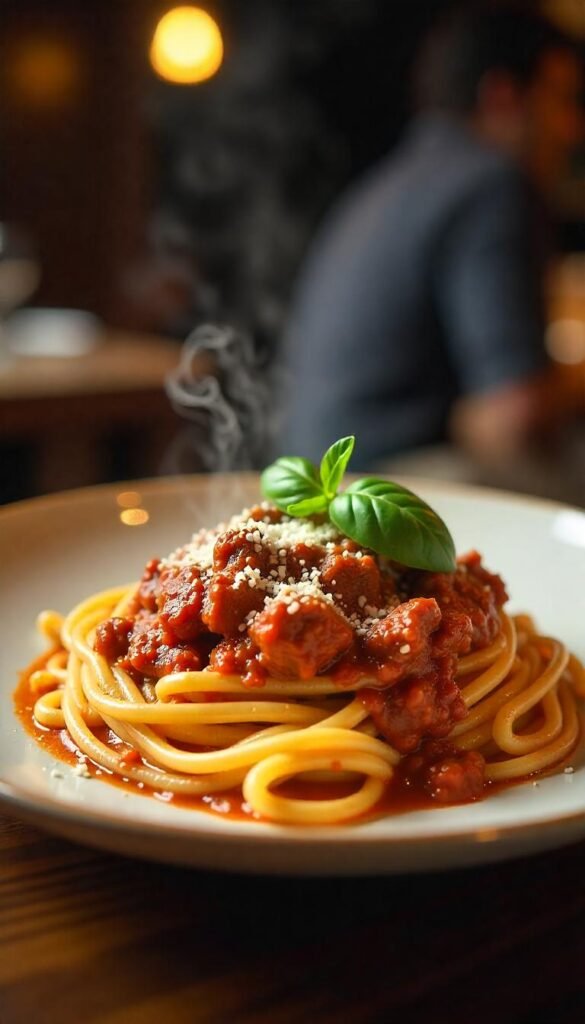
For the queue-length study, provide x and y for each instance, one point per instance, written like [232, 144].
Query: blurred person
[419, 316]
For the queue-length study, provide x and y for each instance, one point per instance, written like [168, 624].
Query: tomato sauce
[402, 795]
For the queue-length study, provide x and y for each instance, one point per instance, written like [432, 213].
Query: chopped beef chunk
[301, 639]
[148, 588]
[231, 657]
[234, 551]
[239, 657]
[471, 591]
[302, 557]
[228, 602]
[400, 643]
[112, 638]
[355, 582]
[457, 778]
[448, 775]
[154, 650]
[180, 600]
[472, 562]
[417, 708]
[453, 635]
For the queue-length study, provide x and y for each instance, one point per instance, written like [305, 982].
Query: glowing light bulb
[187, 46]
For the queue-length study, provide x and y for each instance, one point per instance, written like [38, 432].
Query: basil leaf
[394, 522]
[334, 464]
[309, 507]
[290, 480]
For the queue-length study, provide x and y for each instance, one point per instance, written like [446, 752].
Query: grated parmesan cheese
[277, 540]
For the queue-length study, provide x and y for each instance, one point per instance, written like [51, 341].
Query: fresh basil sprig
[334, 464]
[293, 483]
[379, 514]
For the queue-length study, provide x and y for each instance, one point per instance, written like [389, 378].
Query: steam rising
[222, 388]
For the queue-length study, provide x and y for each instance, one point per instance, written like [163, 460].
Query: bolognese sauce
[267, 597]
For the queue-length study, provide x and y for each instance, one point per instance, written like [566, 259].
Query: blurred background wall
[98, 153]
[157, 205]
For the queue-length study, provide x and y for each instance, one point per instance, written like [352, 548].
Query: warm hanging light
[187, 46]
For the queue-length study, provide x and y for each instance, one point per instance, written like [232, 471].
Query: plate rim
[275, 834]
[161, 484]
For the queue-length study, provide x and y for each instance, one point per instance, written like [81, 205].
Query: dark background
[160, 207]
[116, 173]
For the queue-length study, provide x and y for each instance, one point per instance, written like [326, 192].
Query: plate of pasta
[276, 675]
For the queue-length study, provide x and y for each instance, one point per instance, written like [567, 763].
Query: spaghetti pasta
[347, 666]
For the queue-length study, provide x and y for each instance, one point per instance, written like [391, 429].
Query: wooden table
[66, 406]
[88, 938]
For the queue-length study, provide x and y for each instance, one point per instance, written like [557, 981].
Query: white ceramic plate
[56, 550]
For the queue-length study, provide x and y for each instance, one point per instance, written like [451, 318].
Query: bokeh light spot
[565, 341]
[128, 499]
[134, 516]
[44, 72]
[187, 46]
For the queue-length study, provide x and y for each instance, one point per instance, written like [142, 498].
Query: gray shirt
[424, 284]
